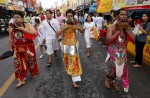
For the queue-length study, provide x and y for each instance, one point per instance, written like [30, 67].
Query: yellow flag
[3, 2]
[104, 6]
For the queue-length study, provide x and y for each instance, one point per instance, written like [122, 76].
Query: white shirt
[85, 16]
[41, 34]
[100, 21]
[49, 32]
[88, 26]
[94, 20]
[33, 20]
[76, 17]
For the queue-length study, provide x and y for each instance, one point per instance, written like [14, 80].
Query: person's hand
[140, 27]
[21, 29]
[122, 25]
[74, 27]
[92, 29]
[65, 27]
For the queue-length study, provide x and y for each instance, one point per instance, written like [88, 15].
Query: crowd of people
[59, 32]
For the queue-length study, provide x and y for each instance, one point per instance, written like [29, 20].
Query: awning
[2, 5]
[30, 10]
[16, 8]
[138, 7]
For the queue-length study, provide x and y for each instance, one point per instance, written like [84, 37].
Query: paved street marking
[10, 80]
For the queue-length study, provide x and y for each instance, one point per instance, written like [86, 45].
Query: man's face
[69, 16]
[122, 15]
[48, 15]
[95, 14]
[58, 13]
[17, 18]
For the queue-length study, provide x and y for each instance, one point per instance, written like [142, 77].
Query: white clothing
[33, 20]
[62, 47]
[94, 20]
[100, 22]
[119, 69]
[41, 34]
[49, 32]
[85, 16]
[51, 41]
[88, 26]
[11, 21]
[76, 79]
[76, 17]
[52, 44]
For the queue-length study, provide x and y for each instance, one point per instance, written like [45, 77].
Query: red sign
[138, 7]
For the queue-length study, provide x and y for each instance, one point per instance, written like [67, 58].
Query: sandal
[88, 55]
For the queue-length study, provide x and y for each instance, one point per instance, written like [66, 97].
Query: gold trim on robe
[70, 53]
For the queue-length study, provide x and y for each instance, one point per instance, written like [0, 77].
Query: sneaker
[126, 89]
[45, 51]
[100, 42]
[136, 66]
[48, 64]
[88, 55]
[104, 46]
[41, 56]
[133, 62]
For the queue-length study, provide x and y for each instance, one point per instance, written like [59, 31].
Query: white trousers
[76, 79]
[52, 44]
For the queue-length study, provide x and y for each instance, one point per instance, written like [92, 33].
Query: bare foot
[107, 83]
[20, 83]
[75, 85]
[116, 86]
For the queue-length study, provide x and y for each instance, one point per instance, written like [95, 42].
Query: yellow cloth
[71, 60]
[95, 33]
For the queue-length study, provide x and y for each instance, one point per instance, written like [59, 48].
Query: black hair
[57, 10]
[50, 11]
[70, 11]
[94, 12]
[37, 20]
[145, 25]
[99, 14]
[87, 18]
[118, 12]
[21, 14]
[148, 15]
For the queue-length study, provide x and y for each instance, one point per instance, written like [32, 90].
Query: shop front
[138, 8]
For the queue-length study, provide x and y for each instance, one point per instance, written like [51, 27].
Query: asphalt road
[53, 82]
